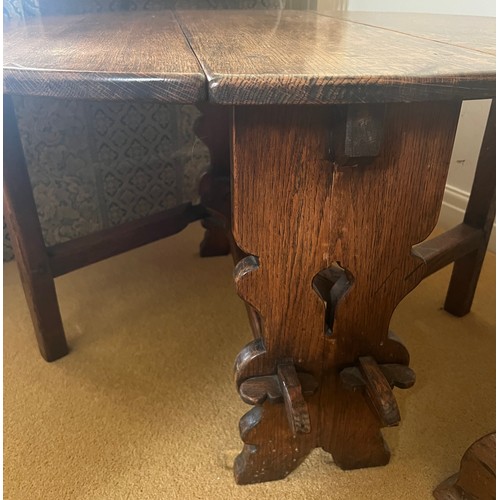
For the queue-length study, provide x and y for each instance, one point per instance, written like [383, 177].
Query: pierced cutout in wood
[331, 285]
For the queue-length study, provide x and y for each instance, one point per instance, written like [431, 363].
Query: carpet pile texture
[144, 406]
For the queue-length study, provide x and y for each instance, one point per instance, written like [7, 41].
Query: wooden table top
[294, 57]
[252, 57]
[115, 55]
[475, 33]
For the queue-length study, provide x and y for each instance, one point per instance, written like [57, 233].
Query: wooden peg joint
[363, 135]
[288, 387]
[378, 381]
[295, 404]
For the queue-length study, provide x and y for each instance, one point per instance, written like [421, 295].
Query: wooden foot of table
[327, 217]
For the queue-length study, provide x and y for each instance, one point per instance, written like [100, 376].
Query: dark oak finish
[468, 32]
[477, 476]
[28, 244]
[287, 57]
[396, 375]
[272, 57]
[297, 212]
[213, 129]
[379, 392]
[110, 56]
[80, 252]
[448, 247]
[295, 405]
[360, 141]
[364, 130]
[256, 390]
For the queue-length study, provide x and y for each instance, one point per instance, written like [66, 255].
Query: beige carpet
[144, 406]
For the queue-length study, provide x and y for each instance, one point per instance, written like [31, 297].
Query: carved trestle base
[327, 205]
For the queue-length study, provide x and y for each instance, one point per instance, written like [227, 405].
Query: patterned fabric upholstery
[96, 164]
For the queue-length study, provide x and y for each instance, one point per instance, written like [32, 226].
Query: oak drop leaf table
[335, 133]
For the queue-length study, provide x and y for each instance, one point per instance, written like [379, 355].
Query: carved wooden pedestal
[330, 204]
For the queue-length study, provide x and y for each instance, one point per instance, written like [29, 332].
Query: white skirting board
[468, 140]
[453, 209]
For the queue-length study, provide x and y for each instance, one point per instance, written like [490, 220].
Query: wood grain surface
[27, 241]
[119, 55]
[248, 57]
[297, 212]
[80, 252]
[291, 57]
[476, 478]
[470, 32]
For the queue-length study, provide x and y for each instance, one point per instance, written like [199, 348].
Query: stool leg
[213, 129]
[480, 214]
[28, 244]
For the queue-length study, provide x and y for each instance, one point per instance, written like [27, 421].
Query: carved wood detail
[297, 212]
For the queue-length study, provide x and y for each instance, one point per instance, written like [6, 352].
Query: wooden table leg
[212, 127]
[28, 244]
[328, 218]
[480, 214]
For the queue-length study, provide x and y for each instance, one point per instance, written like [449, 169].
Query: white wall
[462, 7]
[463, 163]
